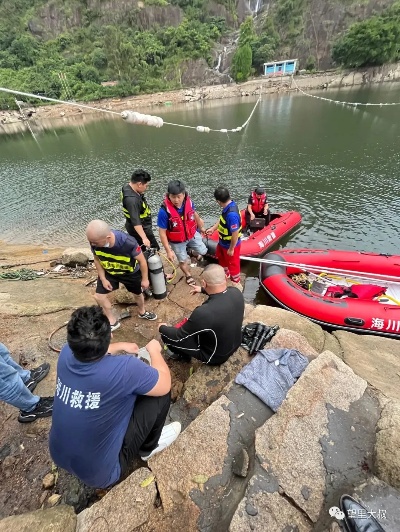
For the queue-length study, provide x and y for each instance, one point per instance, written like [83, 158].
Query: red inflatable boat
[341, 289]
[260, 241]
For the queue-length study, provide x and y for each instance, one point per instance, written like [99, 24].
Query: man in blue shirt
[178, 224]
[118, 259]
[108, 408]
[229, 228]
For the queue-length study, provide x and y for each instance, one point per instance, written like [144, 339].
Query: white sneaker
[169, 434]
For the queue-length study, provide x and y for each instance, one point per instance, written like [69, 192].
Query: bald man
[118, 259]
[214, 330]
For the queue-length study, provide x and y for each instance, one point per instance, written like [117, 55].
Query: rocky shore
[159, 103]
[236, 466]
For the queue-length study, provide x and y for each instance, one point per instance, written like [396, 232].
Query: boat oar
[326, 269]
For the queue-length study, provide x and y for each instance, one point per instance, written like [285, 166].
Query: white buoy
[133, 117]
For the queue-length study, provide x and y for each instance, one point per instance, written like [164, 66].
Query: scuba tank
[157, 276]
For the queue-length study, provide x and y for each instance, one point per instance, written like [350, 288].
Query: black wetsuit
[214, 330]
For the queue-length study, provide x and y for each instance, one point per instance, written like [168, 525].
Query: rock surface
[123, 509]
[49, 520]
[375, 359]
[387, 448]
[201, 449]
[41, 296]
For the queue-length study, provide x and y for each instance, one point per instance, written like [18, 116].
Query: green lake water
[338, 166]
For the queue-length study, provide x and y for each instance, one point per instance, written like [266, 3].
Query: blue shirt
[125, 246]
[233, 222]
[93, 404]
[163, 218]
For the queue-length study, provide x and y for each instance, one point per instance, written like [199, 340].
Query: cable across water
[134, 117]
[338, 102]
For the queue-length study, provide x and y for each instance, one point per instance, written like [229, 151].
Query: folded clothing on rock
[272, 373]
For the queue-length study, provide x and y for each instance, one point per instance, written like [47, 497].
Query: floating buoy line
[338, 102]
[133, 117]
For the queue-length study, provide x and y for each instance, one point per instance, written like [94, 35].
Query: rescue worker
[213, 332]
[230, 231]
[137, 211]
[257, 206]
[118, 259]
[178, 224]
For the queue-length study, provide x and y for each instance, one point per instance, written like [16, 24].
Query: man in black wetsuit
[137, 211]
[213, 332]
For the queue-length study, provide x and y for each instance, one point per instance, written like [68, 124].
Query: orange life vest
[258, 204]
[181, 228]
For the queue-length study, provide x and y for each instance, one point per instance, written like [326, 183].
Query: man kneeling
[214, 330]
[107, 409]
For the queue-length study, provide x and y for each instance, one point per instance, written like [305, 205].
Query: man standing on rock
[17, 385]
[118, 259]
[109, 407]
[137, 211]
[214, 330]
[178, 224]
[229, 228]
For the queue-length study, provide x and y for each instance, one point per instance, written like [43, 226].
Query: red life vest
[258, 204]
[181, 228]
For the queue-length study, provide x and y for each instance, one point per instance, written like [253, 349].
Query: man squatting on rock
[118, 259]
[213, 331]
[108, 407]
[178, 224]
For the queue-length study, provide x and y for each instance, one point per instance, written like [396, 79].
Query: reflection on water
[338, 166]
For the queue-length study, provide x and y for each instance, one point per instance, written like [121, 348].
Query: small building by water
[280, 68]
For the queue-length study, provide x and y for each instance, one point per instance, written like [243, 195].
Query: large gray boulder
[287, 320]
[292, 340]
[201, 449]
[76, 257]
[49, 520]
[374, 358]
[124, 508]
[387, 448]
[311, 450]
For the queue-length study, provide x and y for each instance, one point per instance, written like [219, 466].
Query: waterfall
[255, 6]
[217, 67]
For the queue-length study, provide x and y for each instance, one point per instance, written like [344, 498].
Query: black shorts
[132, 282]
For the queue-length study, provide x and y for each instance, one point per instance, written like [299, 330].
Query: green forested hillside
[67, 48]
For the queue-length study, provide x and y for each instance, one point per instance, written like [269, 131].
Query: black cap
[176, 187]
[259, 191]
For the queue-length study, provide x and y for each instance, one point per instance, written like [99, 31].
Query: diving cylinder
[157, 277]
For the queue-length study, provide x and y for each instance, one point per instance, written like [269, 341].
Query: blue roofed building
[280, 68]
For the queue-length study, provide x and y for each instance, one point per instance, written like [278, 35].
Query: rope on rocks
[24, 274]
[338, 102]
[133, 117]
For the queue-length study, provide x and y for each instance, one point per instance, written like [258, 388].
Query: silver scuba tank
[157, 277]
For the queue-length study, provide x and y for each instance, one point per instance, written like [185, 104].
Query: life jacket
[126, 192]
[360, 291]
[180, 227]
[258, 204]
[117, 264]
[223, 231]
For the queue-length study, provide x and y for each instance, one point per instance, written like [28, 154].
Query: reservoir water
[338, 166]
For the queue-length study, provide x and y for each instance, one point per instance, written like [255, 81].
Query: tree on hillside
[241, 63]
[371, 42]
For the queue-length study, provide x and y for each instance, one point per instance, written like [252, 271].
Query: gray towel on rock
[272, 373]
